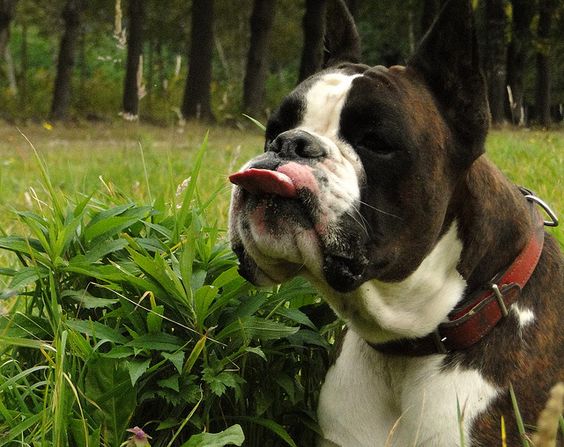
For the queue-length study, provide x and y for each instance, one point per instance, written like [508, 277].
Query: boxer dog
[374, 186]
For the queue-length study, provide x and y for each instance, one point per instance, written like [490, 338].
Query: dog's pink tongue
[264, 181]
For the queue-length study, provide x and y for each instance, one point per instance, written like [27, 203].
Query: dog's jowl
[374, 186]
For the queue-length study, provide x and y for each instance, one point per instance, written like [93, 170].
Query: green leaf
[108, 384]
[196, 351]
[203, 298]
[98, 251]
[97, 330]
[254, 327]
[137, 368]
[176, 358]
[226, 277]
[76, 427]
[170, 382]
[287, 383]
[119, 352]
[20, 245]
[158, 342]
[108, 227]
[250, 305]
[274, 427]
[26, 326]
[231, 436]
[308, 337]
[86, 300]
[17, 430]
[155, 319]
[257, 351]
[28, 275]
[157, 269]
[220, 382]
[296, 315]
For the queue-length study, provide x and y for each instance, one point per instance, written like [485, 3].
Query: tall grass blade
[185, 208]
[255, 122]
[518, 418]
[147, 183]
[59, 393]
[46, 178]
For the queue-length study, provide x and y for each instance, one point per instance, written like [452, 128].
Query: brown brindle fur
[495, 223]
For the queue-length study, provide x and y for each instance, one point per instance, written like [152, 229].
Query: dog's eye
[374, 143]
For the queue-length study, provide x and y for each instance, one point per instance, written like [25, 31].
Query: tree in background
[543, 81]
[495, 58]
[132, 79]
[353, 7]
[429, 11]
[387, 27]
[72, 12]
[262, 19]
[314, 30]
[517, 51]
[197, 94]
[7, 8]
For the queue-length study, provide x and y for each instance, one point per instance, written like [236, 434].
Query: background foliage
[389, 32]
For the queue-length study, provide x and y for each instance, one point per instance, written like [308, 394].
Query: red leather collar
[469, 324]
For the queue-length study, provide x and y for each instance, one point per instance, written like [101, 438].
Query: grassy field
[143, 162]
[126, 308]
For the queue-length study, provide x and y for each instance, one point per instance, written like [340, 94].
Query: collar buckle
[500, 300]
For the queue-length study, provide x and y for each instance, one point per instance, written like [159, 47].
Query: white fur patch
[324, 102]
[370, 399]
[524, 316]
[414, 307]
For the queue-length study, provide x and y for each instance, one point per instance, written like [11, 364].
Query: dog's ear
[447, 58]
[342, 42]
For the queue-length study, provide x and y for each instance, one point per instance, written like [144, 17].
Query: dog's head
[360, 163]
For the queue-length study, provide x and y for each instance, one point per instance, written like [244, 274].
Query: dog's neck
[488, 224]
[495, 222]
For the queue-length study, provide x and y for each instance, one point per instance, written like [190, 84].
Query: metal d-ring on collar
[531, 197]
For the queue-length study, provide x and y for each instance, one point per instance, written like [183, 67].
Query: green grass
[534, 159]
[134, 315]
[78, 157]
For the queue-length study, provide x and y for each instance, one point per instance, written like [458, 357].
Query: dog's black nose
[297, 143]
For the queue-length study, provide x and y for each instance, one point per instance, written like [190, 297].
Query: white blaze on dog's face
[338, 195]
[288, 236]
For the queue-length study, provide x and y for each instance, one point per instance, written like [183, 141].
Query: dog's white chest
[369, 399]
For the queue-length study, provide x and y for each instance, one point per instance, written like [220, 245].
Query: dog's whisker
[381, 211]
[362, 223]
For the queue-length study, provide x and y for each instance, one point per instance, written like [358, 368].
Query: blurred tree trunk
[7, 8]
[519, 46]
[428, 14]
[6, 15]
[262, 19]
[495, 58]
[197, 96]
[546, 9]
[353, 6]
[131, 95]
[72, 12]
[314, 30]
[23, 66]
